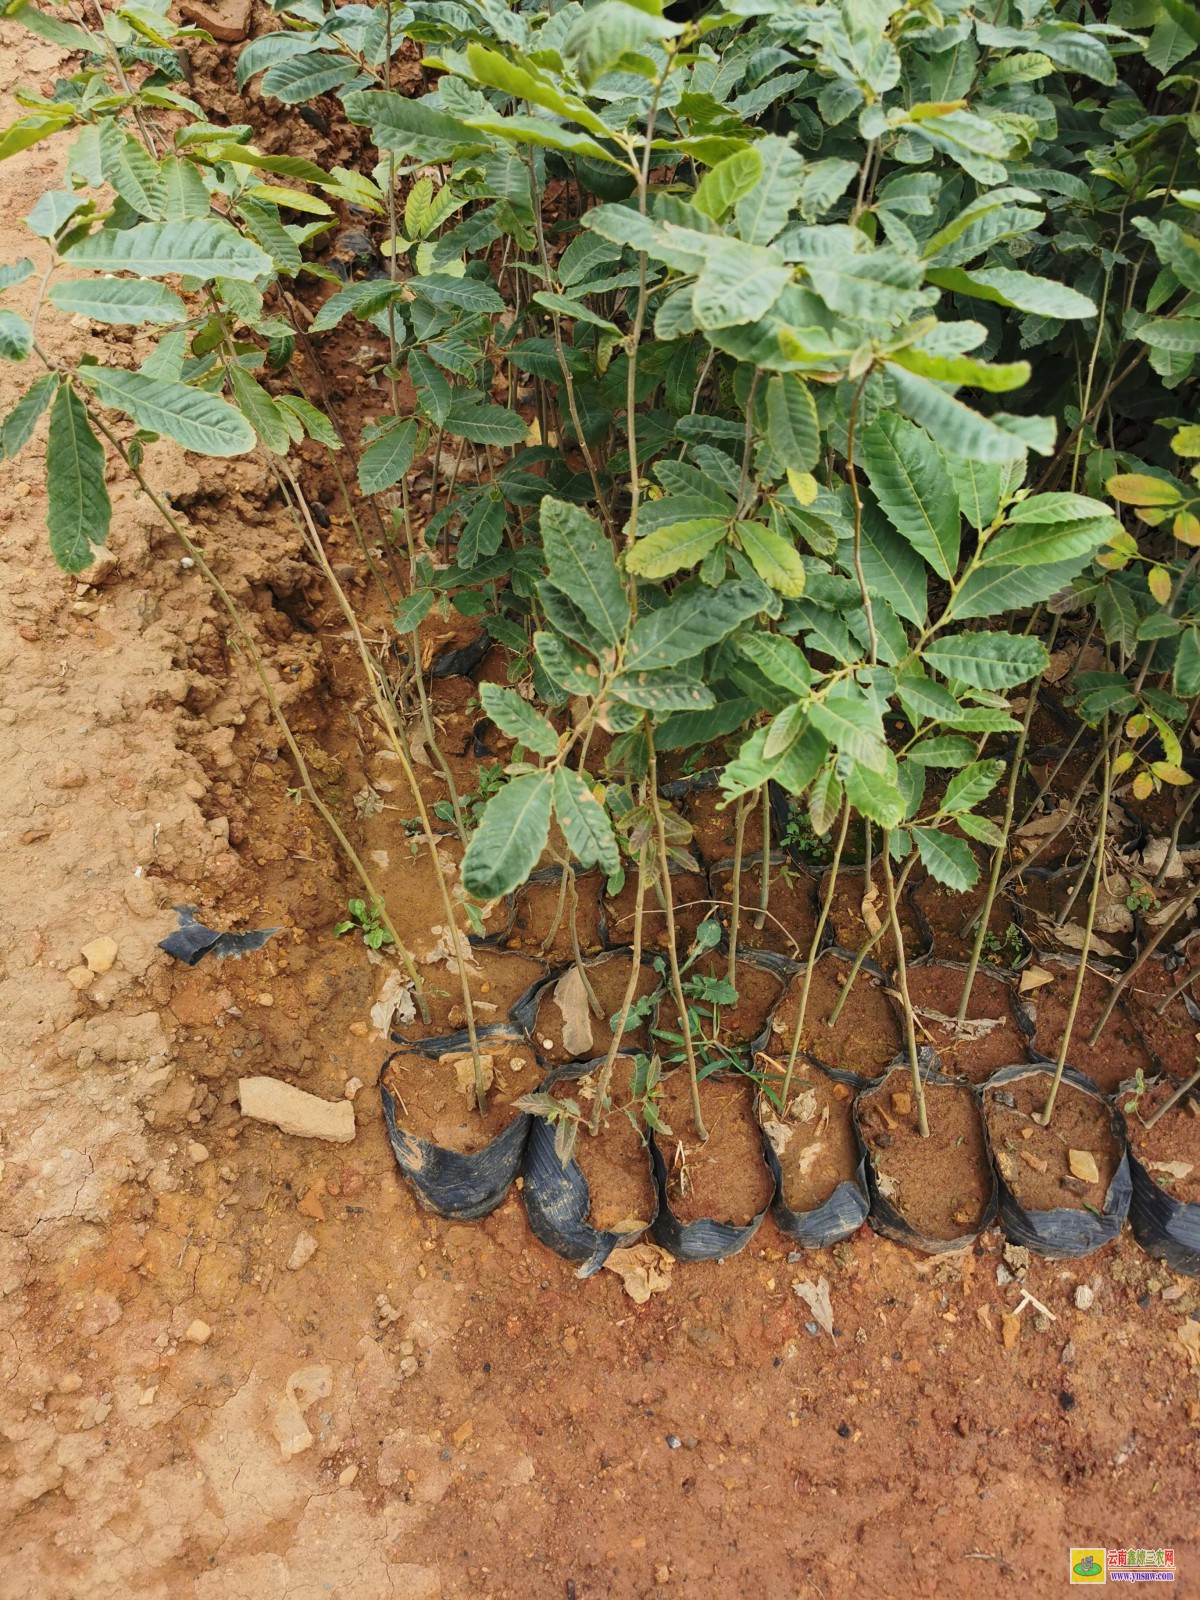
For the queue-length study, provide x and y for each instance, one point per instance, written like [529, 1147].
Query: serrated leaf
[1026, 542]
[16, 336]
[952, 425]
[130, 169]
[484, 424]
[1020, 291]
[824, 800]
[315, 423]
[386, 459]
[1140, 489]
[987, 660]
[738, 284]
[579, 559]
[192, 417]
[200, 249]
[672, 548]
[910, 480]
[720, 189]
[433, 387]
[667, 690]
[1187, 657]
[783, 730]
[776, 561]
[517, 718]
[691, 622]
[974, 783]
[78, 508]
[993, 591]
[762, 214]
[304, 77]
[510, 838]
[891, 566]
[948, 750]
[260, 411]
[780, 660]
[876, 794]
[852, 725]
[793, 428]
[117, 300]
[585, 823]
[946, 859]
[23, 418]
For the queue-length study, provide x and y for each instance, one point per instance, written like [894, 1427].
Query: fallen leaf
[816, 1297]
[368, 802]
[1075, 937]
[1083, 1165]
[888, 1187]
[571, 998]
[778, 1133]
[464, 1069]
[395, 1004]
[1189, 1338]
[1175, 1170]
[1036, 1162]
[869, 914]
[644, 1269]
[1033, 978]
[804, 1107]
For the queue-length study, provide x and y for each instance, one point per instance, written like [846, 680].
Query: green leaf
[517, 718]
[79, 510]
[131, 170]
[510, 838]
[1049, 528]
[23, 418]
[263, 222]
[662, 691]
[720, 190]
[1019, 291]
[579, 559]
[876, 794]
[994, 377]
[946, 859]
[852, 725]
[993, 591]
[315, 423]
[16, 274]
[978, 487]
[776, 561]
[680, 544]
[825, 800]
[304, 77]
[193, 418]
[987, 660]
[600, 38]
[585, 823]
[31, 130]
[118, 300]
[780, 660]
[891, 566]
[691, 622]
[948, 750]
[954, 426]
[385, 461]
[567, 307]
[433, 387]
[982, 829]
[525, 82]
[910, 480]
[16, 336]
[258, 408]
[1187, 657]
[793, 429]
[974, 783]
[737, 284]
[200, 249]
[484, 424]
[411, 126]
[877, 285]
[762, 214]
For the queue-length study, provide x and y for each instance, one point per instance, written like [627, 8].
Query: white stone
[304, 1249]
[198, 1332]
[292, 1110]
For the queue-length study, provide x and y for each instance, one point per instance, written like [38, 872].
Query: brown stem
[822, 919]
[668, 899]
[885, 855]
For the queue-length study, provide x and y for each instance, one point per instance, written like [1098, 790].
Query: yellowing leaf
[1139, 489]
[1186, 528]
[1159, 580]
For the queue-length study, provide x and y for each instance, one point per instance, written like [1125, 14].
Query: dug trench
[481, 1422]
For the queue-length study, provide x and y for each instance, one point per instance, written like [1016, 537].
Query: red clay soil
[714, 827]
[1171, 1036]
[536, 908]
[1120, 1051]
[866, 1035]
[609, 978]
[939, 1184]
[493, 1428]
[757, 992]
[947, 914]
[1036, 1161]
[814, 1140]
[791, 918]
[990, 1036]
[1170, 1150]
[850, 929]
[615, 1161]
[725, 1178]
[691, 904]
[435, 1098]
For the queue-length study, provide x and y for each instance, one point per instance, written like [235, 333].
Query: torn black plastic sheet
[192, 941]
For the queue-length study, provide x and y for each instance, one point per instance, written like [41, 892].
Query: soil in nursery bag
[714, 832]
[614, 1162]
[791, 917]
[947, 913]
[758, 989]
[536, 907]
[866, 1036]
[692, 905]
[1170, 1150]
[460, 1163]
[1065, 1189]
[941, 1186]
[1171, 1037]
[815, 1143]
[989, 1036]
[851, 926]
[567, 1029]
[1120, 1051]
[725, 1179]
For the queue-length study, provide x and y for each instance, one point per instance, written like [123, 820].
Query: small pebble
[146, 1398]
[198, 1332]
[70, 1383]
[352, 1088]
[674, 1442]
[347, 1475]
[1085, 1297]
[304, 1249]
[409, 1367]
[197, 1153]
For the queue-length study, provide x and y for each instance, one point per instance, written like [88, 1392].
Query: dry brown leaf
[1033, 978]
[1083, 1165]
[1045, 822]
[1075, 937]
[395, 1004]
[816, 1297]
[644, 1269]
[464, 1070]
[869, 914]
[570, 996]
[1175, 1170]
[804, 1107]
[1189, 1339]
[778, 1133]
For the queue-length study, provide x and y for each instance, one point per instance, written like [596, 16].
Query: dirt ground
[483, 1424]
